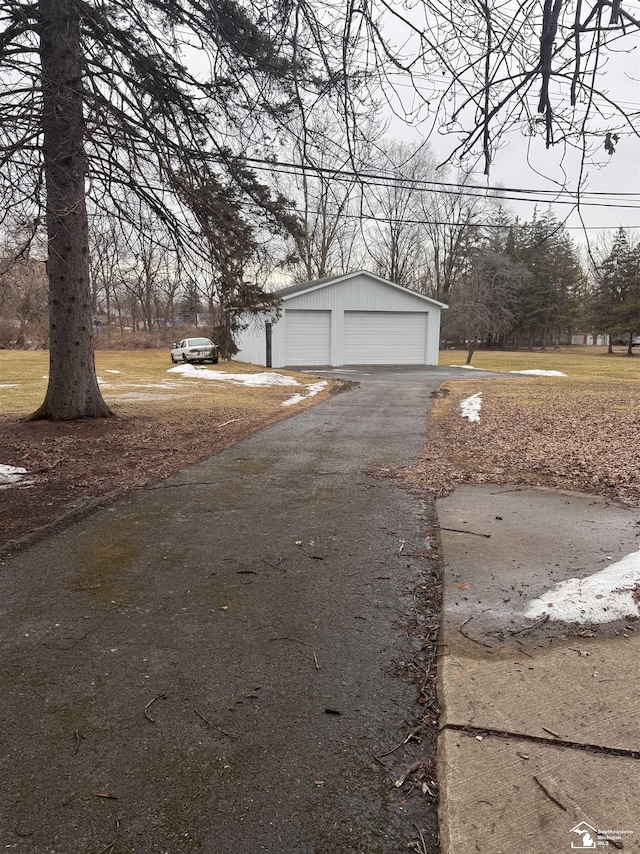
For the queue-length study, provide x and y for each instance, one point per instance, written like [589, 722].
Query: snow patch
[9, 385]
[10, 475]
[470, 407]
[600, 598]
[312, 390]
[265, 378]
[466, 367]
[535, 372]
[111, 372]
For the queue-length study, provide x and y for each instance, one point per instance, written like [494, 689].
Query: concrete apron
[540, 723]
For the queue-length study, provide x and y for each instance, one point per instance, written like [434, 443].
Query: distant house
[590, 339]
[100, 318]
[352, 319]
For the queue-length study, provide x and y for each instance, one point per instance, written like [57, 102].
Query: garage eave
[306, 287]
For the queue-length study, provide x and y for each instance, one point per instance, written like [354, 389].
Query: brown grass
[163, 423]
[578, 432]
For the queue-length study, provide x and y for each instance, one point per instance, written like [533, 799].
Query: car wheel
[184, 359]
[174, 360]
[214, 361]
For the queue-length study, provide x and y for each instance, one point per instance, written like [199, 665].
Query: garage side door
[385, 338]
[308, 337]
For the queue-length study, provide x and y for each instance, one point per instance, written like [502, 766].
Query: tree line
[152, 113]
[508, 282]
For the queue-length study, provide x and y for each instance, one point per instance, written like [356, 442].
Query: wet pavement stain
[103, 561]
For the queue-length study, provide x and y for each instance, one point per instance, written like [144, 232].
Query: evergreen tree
[101, 101]
[550, 295]
[190, 304]
[233, 251]
[615, 307]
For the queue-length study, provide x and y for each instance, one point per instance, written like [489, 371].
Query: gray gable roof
[301, 287]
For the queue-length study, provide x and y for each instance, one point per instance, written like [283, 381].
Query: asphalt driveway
[209, 665]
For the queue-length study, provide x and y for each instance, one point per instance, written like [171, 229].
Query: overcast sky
[526, 163]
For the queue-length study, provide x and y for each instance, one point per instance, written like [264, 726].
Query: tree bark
[471, 348]
[73, 387]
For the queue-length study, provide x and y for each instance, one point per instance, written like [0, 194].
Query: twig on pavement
[424, 844]
[111, 844]
[149, 704]
[468, 637]
[404, 741]
[532, 626]
[549, 795]
[462, 531]
[78, 736]
[403, 777]
[213, 726]
[551, 732]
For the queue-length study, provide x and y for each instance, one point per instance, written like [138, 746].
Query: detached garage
[352, 319]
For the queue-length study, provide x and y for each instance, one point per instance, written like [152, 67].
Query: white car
[195, 350]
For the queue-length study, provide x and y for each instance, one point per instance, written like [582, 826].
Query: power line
[391, 176]
[425, 185]
[404, 221]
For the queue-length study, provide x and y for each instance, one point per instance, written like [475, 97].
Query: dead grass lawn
[578, 432]
[164, 422]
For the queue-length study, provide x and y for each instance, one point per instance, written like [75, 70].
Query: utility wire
[424, 185]
[404, 221]
[385, 175]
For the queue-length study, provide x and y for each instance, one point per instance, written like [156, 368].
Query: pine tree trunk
[73, 388]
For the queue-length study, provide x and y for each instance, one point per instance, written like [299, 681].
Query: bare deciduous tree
[100, 96]
[395, 237]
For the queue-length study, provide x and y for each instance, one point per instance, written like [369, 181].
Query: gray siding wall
[357, 294]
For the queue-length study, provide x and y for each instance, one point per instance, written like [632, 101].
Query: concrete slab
[504, 547]
[492, 803]
[524, 540]
[585, 690]
[574, 681]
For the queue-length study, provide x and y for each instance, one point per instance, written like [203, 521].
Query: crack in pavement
[600, 749]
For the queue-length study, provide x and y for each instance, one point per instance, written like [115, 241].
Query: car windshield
[196, 342]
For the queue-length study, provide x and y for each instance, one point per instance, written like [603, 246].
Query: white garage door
[308, 337]
[385, 338]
